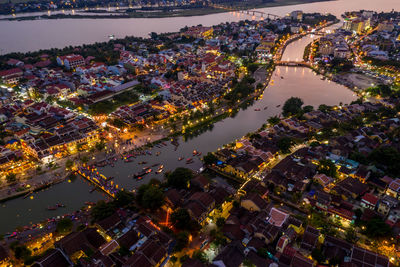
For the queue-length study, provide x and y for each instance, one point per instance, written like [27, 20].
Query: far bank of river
[286, 82]
[24, 36]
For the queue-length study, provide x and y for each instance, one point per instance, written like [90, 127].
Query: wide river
[286, 82]
[23, 36]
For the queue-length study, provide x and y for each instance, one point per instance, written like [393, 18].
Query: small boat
[143, 162]
[139, 174]
[60, 205]
[127, 160]
[161, 167]
[265, 108]
[139, 178]
[52, 208]
[278, 106]
[281, 77]
[112, 165]
[155, 164]
[189, 159]
[145, 168]
[149, 171]
[158, 153]
[159, 171]
[92, 190]
[148, 152]
[111, 36]
[194, 152]
[257, 109]
[180, 158]
[199, 154]
[165, 144]
[89, 203]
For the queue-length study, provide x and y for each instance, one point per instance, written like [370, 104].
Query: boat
[139, 174]
[158, 153]
[143, 162]
[189, 160]
[278, 106]
[159, 171]
[111, 36]
[148, 170]
[195, 152]
[155, 164]
[60, 205]
[52, 208]
[145, 168]
[161, 167]
[28, 194]
[180, 158]
[89, 203]
[148, 153]
[281, 77]
[257, 109]
[199, 154]
[127, 160]
[92, 190]
[265, 108]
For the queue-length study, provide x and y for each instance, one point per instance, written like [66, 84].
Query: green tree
[102, 210]
[285, 144]
[64, 226]
[180, 178]
[69, 164]
[11, 177]
[182, 240]
[376, 228]
[181, 219]
[274, 120]
[150, 197]
[220, 222]
[327, 167]
[210, 159]
[292, 106]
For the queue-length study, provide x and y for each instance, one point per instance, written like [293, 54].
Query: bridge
[249, 12]
[293, 64]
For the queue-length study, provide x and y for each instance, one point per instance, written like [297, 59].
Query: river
[23, 36]
[286, 82]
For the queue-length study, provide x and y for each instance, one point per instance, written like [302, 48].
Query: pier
[91, 174]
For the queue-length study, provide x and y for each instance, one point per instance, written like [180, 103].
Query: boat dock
[91, 174]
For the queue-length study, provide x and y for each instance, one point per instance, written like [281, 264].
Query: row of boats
[146, 170]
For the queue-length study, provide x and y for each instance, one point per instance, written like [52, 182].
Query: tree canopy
[180, 178]
[292, 106]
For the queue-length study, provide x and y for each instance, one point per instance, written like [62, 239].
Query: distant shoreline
[163, 14]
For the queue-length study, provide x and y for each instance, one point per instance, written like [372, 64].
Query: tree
[182, 240]
[11, 177]
[100, 145]
[285, 144]
[327, 167]
[69, 164]
[180, 178]
[376, 228]
[351, 235]
[220, 222]
[181, 219]
[274, 120]
[308, 108]
[150, 197]
[292, 106]
[124, 198]
[324, 108]
[102, 210]
[318, 255]
[64, 226]
[210, 159]
[252, 67]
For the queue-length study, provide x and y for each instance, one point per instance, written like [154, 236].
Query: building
[11, 76]
[71, 61]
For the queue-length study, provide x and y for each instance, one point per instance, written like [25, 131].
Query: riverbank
[165, 14]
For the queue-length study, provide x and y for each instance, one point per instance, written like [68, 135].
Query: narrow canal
[286, 82]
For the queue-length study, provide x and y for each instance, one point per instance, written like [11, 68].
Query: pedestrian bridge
[293, 64]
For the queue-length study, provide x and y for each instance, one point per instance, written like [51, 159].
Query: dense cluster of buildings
[296, 180]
